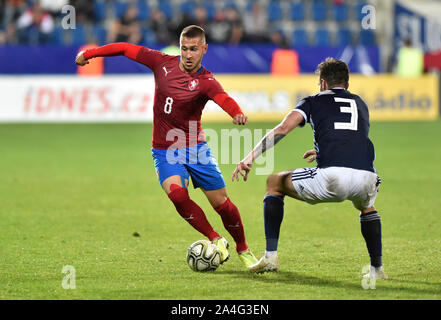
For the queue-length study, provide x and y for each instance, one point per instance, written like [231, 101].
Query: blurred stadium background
[265, 39]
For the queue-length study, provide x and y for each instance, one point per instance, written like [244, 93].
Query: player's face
[192, 51]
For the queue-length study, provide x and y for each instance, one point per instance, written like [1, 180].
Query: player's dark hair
[193, 31]
[334, 72]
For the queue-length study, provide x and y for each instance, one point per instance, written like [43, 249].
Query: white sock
[269, 254]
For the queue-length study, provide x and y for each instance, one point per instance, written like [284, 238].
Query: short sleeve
[303, 107]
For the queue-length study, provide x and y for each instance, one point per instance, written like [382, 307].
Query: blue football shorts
[195, 162]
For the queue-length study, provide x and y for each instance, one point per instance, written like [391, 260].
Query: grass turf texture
[87, 196]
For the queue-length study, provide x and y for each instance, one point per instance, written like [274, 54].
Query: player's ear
[347, 85]
[205, 47]
[323, 85]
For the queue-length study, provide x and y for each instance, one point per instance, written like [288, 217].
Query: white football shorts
[336, 184]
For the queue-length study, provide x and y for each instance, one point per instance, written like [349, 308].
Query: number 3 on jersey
[352, 109]
[168, 105]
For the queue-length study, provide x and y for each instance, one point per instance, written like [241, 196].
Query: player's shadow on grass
[297, 278]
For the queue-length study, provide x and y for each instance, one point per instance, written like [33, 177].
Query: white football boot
[376, 273]
[266, 264]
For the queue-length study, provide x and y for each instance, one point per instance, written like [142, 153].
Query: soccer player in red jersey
[183, 87]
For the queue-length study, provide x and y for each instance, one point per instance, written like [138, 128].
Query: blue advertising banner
[246, 59]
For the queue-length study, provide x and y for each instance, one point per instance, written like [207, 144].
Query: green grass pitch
[75, 194]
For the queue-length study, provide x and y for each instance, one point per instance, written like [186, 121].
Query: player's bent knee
[274, 183]
[217, 202]
[176, 181]
[216, 197]
[178, 194]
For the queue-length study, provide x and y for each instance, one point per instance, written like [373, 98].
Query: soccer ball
[203, 255]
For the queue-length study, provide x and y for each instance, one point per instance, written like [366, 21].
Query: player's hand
[241, 166]
[310, 153]
[240, 119]
[79, 60]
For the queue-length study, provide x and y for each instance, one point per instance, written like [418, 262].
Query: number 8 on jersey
[168, 105]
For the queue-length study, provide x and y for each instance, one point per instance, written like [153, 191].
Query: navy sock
[371, 231]
[272, 216]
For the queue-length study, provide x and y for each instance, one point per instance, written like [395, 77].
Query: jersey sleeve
[149, 57]
[227, 103]
[214, 91]
[114, 49]
[303, 107]
[143, 55]
[211, 87]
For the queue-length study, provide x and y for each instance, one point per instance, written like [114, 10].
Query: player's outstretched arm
[292, 120]
[110, 50]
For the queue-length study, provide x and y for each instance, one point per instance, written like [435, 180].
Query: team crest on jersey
[193, 84]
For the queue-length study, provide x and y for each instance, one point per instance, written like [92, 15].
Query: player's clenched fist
[79, 60]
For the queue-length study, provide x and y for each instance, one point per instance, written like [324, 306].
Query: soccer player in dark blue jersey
[344, 155]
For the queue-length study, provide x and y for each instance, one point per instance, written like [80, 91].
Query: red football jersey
[179, 99]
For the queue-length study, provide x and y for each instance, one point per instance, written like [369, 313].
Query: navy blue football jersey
[340, 123]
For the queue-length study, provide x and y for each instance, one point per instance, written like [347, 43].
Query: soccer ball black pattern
[203, 255]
